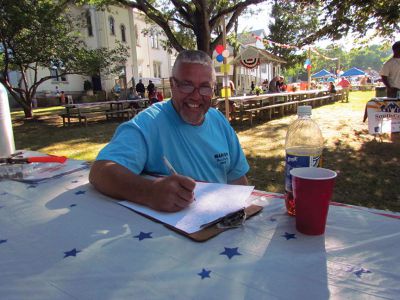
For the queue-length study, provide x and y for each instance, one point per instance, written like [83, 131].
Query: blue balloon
[220, 58]
[308, 62]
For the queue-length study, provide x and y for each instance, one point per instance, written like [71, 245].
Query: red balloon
[219, 49]
[308, 67]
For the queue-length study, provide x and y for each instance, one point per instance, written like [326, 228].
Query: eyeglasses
[189, 88]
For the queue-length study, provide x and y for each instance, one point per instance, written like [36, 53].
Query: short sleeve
[127, 148]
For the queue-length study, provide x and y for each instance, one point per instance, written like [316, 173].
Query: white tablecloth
[61, 239]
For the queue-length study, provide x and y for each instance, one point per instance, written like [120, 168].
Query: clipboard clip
[232, 220]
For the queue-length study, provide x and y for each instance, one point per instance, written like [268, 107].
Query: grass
[368, 167]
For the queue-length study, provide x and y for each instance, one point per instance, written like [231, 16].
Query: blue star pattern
[74, 181]
[80, 192]
[230, 252]
[272, 219]
[72, 205]
[31, 186]
[143, 235]
[72, 252]
[204, 274]
[3, 193]
[3, 241]
[358, 271]
[289, 236]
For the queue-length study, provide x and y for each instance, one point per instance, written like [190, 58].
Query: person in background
[151, 89]
[390, 72]
[140, 89]
[62, 98]
[272, 85]
[280, 84]
[331, 88]
[252, 87]
[232, 87]
[160, 96]
[346, 85]
[196, 138]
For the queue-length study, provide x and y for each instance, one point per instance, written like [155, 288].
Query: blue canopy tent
[353, 72]
[322, 74]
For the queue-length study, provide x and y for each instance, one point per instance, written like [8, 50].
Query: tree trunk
[28, 112]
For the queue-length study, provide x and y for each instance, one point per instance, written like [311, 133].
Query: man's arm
[240, 181]
[171, 193]
[385, 80]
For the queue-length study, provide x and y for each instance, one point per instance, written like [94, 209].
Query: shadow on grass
[47, 130]
[374, 168]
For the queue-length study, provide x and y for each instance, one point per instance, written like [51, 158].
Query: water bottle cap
[304, 110]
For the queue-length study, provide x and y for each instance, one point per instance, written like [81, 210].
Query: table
[61, 239]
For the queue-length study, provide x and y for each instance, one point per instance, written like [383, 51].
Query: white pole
[7, 146]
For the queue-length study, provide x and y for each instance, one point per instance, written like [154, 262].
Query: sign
[383, 115]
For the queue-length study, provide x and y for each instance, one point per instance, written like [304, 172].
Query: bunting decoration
[250, 63]
[286, 46]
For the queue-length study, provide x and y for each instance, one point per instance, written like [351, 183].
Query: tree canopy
[183, 20]
[41, 34]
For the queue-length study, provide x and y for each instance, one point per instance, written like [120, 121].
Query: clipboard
[213, 228]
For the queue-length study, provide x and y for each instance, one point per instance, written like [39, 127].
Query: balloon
[225, 53]
[308, 62]
[219, 49]
[220, 58]
[309, 67]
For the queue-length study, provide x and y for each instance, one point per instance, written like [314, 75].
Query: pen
[171, 168]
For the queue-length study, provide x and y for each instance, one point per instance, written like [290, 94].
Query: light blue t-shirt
[210, 152]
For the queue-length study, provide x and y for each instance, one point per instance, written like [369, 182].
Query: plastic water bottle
[7, 145]
[304, 145]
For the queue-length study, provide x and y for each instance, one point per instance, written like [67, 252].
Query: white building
[146, 58]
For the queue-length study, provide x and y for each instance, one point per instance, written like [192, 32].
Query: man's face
[192, 104]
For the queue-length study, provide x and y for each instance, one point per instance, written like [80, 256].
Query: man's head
[396, 49]
[192, 82]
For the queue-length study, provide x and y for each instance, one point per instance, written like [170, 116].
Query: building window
[137, 35]
[157, 69]
[56, 77]
[123, 35]
[89, 23]
[154, 40]
[112, 25]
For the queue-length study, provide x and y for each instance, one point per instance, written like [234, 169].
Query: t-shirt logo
[221, 158]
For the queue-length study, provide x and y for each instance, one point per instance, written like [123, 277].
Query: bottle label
[298, 161]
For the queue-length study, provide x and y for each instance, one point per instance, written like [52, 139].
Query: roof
[249, 37]
[254, 52]
[353, 72]
[322, 73]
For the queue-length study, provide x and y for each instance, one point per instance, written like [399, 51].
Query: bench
[80, 117]
[281, 106]
[127, 114]
[270, 109]
[319, 99]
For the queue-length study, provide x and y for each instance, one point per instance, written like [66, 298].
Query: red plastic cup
[312, 190]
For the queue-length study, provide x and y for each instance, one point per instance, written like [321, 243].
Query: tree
[41, 34]
[291, 24]
[183, 20]
[341, 17]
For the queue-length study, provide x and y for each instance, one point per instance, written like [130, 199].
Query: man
[273, 88]
[345, 84]
[140, 88]
[391, 72]
[151, 89]
[196, 139]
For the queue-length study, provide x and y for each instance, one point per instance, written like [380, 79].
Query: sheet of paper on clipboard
[213, 201]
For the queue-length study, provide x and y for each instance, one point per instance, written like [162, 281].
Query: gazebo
[251, 57]
[353, 72]
[322, 74]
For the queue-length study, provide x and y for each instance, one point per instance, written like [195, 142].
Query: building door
[96, 80]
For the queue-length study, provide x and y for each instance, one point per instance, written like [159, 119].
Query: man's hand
[172, 193]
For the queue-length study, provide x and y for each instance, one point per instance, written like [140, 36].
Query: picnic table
[275, 103]
[61, 239]
[121, 109]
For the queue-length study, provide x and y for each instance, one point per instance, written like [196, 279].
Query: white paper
[213, 201]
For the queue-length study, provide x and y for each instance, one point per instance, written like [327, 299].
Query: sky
[260, 21]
